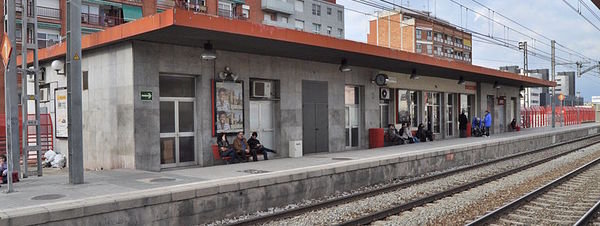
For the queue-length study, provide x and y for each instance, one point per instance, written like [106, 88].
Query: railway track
[572, 198]
[448, 190]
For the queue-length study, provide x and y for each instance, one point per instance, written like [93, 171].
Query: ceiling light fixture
[344, 66]
[413, 75]
[209, 53]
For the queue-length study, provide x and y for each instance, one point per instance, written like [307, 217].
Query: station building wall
[123, 131]
[107, 107]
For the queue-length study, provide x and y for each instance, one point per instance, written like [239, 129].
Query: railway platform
[201, 195]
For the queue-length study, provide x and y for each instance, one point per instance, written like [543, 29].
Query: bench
[217, 154]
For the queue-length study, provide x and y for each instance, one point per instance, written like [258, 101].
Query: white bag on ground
[59, 161]
[49, 157]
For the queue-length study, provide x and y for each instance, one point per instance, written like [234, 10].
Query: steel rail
[532, 195]
[589, 215]
[365, 194]
[422, 201]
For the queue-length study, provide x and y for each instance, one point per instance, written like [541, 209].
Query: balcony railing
[103, 21]
[48, 12]
[190, 6]
[42, 11]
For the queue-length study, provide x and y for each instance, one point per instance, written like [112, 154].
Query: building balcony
[102, 21]
[281, 6]
[190, 6]
[44, 12]
[279, 24]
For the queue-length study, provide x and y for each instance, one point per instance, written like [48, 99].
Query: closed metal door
[315, 117]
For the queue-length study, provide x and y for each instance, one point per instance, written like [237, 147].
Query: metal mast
[29, 46]
[74, 91]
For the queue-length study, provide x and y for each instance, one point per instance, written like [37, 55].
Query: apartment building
[417, 32]
[565, 83]
[323, 17]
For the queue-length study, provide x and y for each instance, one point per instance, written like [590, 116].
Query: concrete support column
[148, 7]
[443, 113]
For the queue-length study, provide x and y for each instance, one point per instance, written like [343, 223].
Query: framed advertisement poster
[228, 114]
[61, 112]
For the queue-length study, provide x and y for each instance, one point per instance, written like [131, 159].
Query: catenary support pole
[73, 66]
[11, 97]
[553, 88]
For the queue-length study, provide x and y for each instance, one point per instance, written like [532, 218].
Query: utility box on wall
[295, 148]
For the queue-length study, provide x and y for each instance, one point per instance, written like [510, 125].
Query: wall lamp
[209, 53]
[344, 66]
[413, 75]
[461, 80]
[521, 88]
[58, 66]
[496, 85]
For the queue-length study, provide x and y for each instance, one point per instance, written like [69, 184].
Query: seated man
[392, 136]
[407, 135]
[3, 168]
[225, 149]
[256, 146]
[476, 127]
[241, 147]
[514, 126]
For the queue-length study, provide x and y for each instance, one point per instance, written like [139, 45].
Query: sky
[553, 19]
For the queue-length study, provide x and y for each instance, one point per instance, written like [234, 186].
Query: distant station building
[542, 96]
[157, 91]
[418, 32]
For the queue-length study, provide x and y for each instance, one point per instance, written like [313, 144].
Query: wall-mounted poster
[229, 107]
[61, 111]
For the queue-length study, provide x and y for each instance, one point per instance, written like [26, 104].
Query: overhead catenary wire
[505, 42]
[578, 12]
[566, 49]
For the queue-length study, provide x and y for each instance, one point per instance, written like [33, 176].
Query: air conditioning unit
[262, 89]
[384, 93]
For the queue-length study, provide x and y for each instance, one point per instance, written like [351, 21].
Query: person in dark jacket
[421, 133]
[225, 149]
[256, 146]
[392, 136]
[462, 124]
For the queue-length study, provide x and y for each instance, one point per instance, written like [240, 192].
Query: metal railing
[42, 11]
[103, 21]
[48, 12]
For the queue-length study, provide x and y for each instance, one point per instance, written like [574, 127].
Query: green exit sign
[146, 95]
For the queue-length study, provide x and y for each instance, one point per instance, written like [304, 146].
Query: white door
[261, 121]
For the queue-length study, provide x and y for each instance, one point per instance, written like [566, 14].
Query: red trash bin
[376, 137]
[468, 129]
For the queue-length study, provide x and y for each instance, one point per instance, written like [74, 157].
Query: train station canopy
[182, 27]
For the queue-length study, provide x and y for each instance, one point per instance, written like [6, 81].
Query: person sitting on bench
[225, 149]
[406, 134]
[514, 126]
[256, 146]
[392, 136]
[3, 168]
[241, 147]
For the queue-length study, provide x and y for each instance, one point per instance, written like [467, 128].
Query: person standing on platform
[487, 122]
[462, 124]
